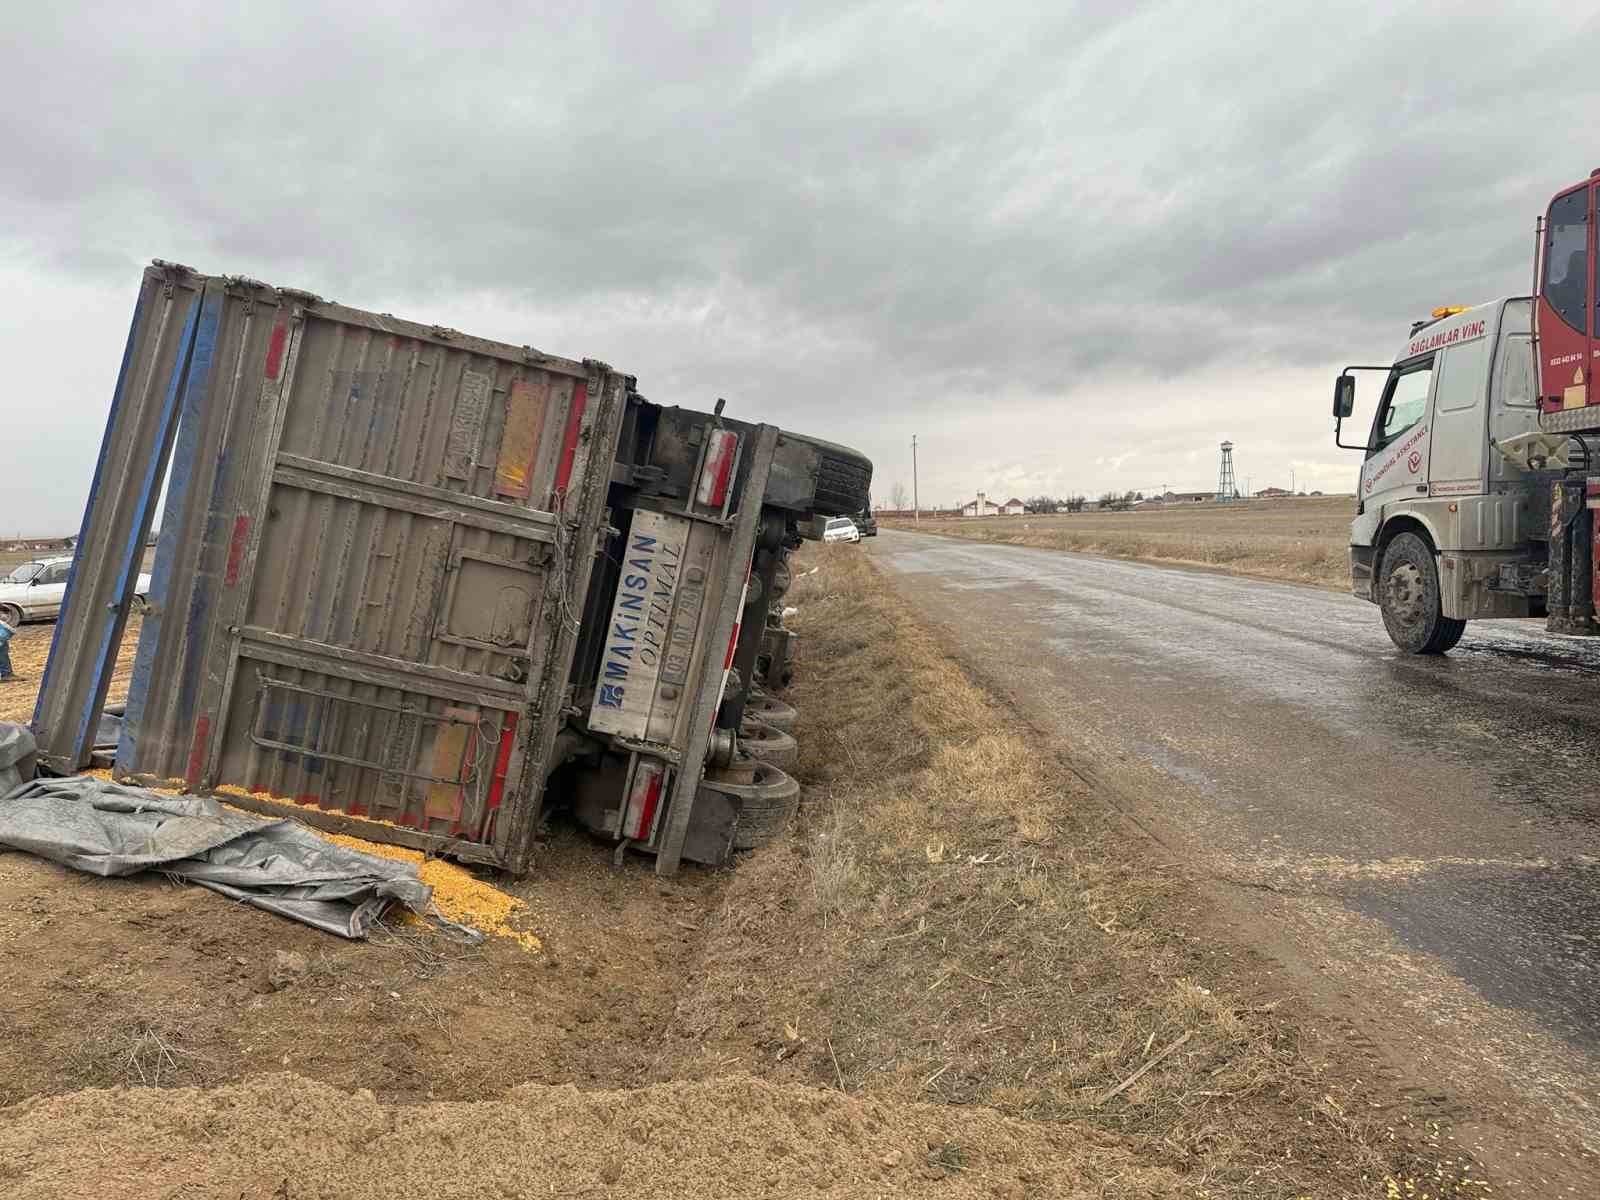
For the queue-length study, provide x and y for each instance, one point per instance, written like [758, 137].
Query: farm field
[1303, 539]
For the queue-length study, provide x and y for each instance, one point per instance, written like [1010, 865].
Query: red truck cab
[1565, 320]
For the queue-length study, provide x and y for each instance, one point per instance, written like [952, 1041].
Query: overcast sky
[1070, 246]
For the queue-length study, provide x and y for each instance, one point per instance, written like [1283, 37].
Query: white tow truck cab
[1452, 513]
[1479, 492]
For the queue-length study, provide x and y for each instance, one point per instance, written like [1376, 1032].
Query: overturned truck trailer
[428, 587]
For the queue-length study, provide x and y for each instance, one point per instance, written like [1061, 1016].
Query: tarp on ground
[17, 752]
[108, 828]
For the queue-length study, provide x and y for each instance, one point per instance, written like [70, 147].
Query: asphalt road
[1448, 806]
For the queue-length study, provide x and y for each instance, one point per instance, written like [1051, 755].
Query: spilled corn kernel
[458, 894]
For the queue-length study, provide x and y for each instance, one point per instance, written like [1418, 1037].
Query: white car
[33, 590]
[840, 529]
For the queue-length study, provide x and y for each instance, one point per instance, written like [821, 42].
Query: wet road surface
[1455, 800]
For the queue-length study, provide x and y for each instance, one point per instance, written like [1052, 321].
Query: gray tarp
[109, 829]
[17, 752]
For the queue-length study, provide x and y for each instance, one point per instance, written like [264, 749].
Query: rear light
[644, 799]
[720, 449]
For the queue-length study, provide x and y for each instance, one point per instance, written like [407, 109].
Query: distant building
[1269, 493]
[1189, 497]
[981, 507]
[1013, 507]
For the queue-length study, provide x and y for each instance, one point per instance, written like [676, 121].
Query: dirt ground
[285, 1136]
[959, 975]
[1304, 539]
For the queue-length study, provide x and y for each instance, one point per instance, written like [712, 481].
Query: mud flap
[712, 826]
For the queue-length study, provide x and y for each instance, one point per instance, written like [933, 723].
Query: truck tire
[772, 711]
[765, 806]
[769, 744]
[1408, 593]
[844, 478]
[11, 615]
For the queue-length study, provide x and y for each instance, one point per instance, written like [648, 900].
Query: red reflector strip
[236, 545]
[497, 783]
[569, 443]
[733, 642]
[197, 751]
[280, 335]
[720, 447]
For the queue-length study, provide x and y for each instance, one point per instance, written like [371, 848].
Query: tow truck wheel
[769, 743]
[1408, 593]
[765, 806]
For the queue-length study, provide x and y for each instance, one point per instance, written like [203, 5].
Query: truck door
[1516, 506]
[1396, 468]
[1458, 447]
[1566, 312]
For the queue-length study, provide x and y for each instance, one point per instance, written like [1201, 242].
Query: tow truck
[1474, 498]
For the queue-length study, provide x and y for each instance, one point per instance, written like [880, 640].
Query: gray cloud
[1050, 238]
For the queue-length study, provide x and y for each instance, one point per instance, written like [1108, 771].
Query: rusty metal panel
[526, 411]
[350, 610]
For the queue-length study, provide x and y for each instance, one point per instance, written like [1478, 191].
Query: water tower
[1227, 487]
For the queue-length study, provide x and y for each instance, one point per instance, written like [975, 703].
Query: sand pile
[282, 1135]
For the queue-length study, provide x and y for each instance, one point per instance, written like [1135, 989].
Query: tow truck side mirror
[1344, 396]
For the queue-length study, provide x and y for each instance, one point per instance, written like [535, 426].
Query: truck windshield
[1408, 396]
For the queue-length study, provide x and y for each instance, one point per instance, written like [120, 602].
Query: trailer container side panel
[117, 518]
[366, 576]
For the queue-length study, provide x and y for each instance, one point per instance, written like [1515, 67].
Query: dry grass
[1305, 540]
[957, 920]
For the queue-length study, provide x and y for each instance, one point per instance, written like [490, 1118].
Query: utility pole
[916, 503]
[1291, 481]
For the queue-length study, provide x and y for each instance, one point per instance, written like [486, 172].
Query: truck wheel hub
[1406, 593]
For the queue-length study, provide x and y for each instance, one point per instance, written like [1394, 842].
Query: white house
[985, 507]
[981, 507]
